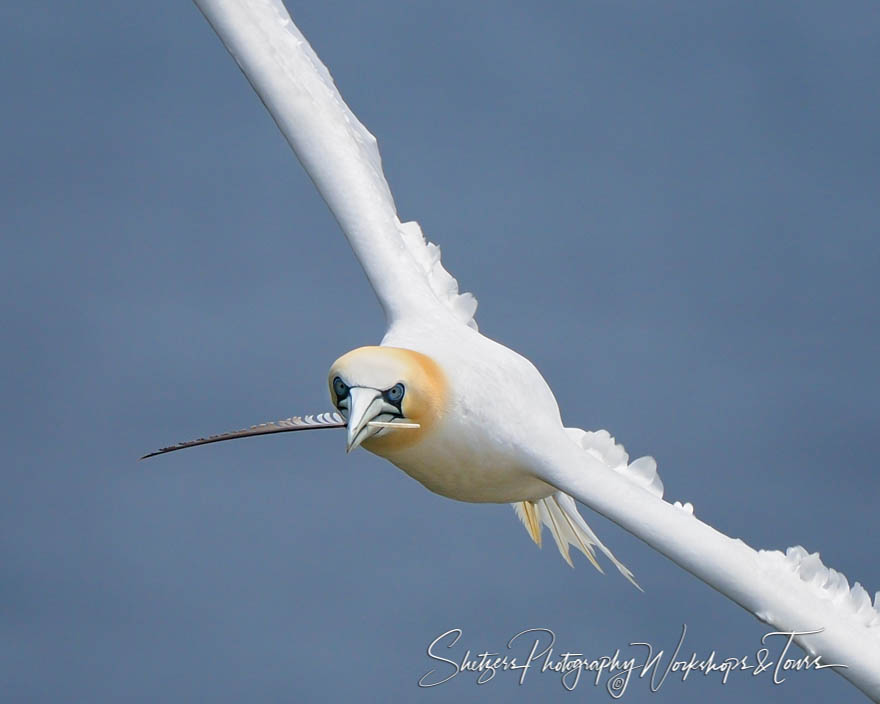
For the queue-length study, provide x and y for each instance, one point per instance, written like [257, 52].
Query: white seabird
[475, 421]
[464, 415]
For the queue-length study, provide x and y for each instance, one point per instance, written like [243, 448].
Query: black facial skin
[340, 388]
[393, 396]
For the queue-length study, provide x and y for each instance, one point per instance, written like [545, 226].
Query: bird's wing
[340, 156]
[793, 592]
[601, 445]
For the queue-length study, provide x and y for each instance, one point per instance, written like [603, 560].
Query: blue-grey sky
[671, 208]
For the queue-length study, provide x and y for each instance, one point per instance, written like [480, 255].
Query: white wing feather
[790, 592]
[340, 156]
[601, 445]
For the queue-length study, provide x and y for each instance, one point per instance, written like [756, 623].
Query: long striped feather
[287, 425]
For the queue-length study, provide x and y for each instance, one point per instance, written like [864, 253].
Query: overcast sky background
[671, 208]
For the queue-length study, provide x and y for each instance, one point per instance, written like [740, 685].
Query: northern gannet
[475, 421]
[467, 417]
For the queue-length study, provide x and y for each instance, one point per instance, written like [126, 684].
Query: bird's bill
[364, 405]
[369, 413]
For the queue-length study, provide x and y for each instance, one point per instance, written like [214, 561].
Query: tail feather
[570, 507]
[559, 511]
[560, 514]
[559, 528]
[527, 512]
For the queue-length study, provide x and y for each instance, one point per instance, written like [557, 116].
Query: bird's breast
[492, 401]
[468, 466]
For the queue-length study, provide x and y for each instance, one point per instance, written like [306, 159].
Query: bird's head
[375, 389]
[388, 385]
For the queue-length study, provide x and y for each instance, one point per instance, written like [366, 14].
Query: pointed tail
[559, 511]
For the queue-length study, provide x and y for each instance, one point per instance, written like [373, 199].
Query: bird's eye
[395, 393]
[340, 388]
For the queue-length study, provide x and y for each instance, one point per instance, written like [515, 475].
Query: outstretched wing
[794, 593]
[340, 156]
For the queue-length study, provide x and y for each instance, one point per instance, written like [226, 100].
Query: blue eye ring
[340, 388]
[395, 393]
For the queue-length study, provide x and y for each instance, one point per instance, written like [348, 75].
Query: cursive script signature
[535, 650]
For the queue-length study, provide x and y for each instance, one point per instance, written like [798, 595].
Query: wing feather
[341, 157]
[287, 425]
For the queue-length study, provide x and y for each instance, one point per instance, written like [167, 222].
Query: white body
[471, 456]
